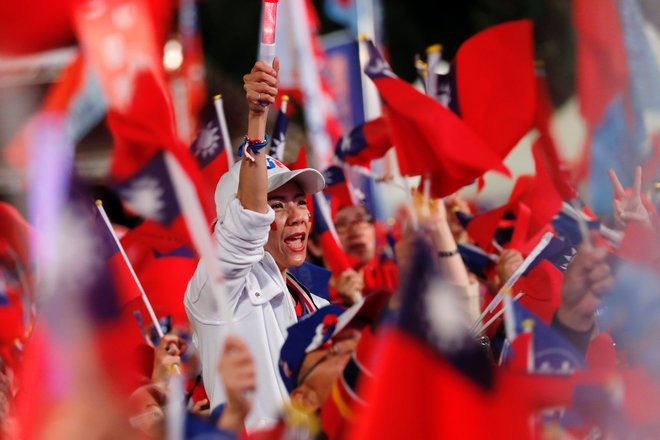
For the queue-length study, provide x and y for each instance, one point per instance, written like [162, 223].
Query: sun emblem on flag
[145, 196]
[566, 258]
[208, 143]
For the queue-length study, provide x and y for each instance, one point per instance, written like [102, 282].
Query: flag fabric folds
[365, 143]
[428, 137]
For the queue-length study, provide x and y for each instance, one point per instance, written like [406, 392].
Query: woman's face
[287, 240]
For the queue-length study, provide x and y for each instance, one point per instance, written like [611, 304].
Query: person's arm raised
[260, 87]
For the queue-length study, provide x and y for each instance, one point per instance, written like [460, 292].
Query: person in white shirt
[262, 230]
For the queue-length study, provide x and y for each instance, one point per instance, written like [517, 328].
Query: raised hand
[587, 279]
[167, 357]
[261, 85]
[628, 207]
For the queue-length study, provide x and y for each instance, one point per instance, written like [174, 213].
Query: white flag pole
[145, 299]
[198, 229]
[222, 122]
[506, 288]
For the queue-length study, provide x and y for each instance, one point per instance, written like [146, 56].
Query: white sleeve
[241, 238]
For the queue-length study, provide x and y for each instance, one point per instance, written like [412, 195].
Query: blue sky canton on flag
[208, 144]
[277, 140]
[552, 353]
[557, 252]
[377, 66]
[150, 192]
[567, 228]
[182, 251]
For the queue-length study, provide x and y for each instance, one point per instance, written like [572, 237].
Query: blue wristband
[254, 146]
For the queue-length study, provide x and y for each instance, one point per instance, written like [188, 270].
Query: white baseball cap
[310, 181]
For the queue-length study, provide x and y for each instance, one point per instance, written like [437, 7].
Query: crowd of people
[272, 359]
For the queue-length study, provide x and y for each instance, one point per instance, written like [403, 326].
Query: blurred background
[221, 38]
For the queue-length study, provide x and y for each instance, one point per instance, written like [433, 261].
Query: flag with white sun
[208, 144]
[150, 192]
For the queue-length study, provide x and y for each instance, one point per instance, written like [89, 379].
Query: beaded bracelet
[451, 253]
[254, 144]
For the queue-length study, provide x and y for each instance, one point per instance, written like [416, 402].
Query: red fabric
[601, 68]
[426, 136]
[543, 199]
[47, 25]
[164, 278]
[127, 289]
[545, 145]
[542, 288]
[522, 351]
[495, 82]
[301, 160]
[378, 140]
[378, 274]
[120, 48]
[601, 354]
[483, 226]
[534, 201]
[333, 253]
[425, 397]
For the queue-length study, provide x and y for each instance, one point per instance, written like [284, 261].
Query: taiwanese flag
[567, 228]
[476, 260]
[154, 251]
[339, 187]
[545, 145]
[209, 149]
[332, 251]
[534, 202]
[551, 353]
[542, 281]
[365, 143]
[278, 138]
[145, 141]
[428, 137]
[495, 84]
[80, 319]
[431, 378]
[602, 67]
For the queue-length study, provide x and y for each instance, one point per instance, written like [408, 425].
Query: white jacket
[261, 305]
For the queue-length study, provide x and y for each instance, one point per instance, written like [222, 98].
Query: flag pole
[145, 299]
[222, 122]
[198, 229]
[283, 108]
[508, 304]
[506, 288]
[582, 226]
[433, 57]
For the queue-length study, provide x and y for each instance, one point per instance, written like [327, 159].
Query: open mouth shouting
[296, 242]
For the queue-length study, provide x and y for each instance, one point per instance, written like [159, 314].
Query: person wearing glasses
[372, 268]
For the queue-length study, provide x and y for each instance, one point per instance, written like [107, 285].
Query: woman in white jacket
[262, 229]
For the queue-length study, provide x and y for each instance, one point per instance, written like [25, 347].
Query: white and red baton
[267, 45]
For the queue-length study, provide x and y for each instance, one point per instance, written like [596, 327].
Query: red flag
[416, 394]
[602, 71]
[119, 37]
[495, 82]
[429, 138]
[153, 252]
[365, 143]
[545, 145]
